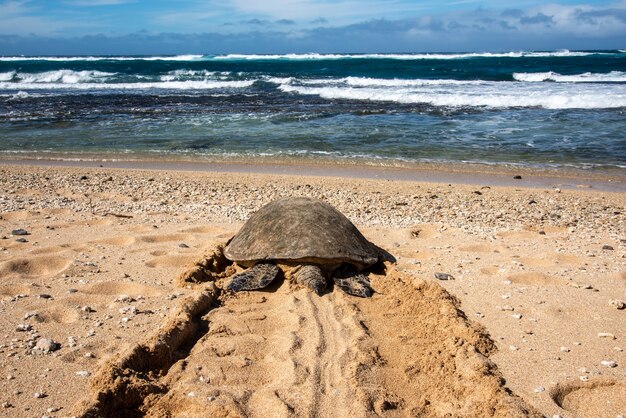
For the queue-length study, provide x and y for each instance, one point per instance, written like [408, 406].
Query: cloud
[539, 18]
[21, 17]
[546, 26]
[95, 3]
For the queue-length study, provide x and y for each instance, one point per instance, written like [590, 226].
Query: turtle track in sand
[288, 352]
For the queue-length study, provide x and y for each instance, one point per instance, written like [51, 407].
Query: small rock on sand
[47, 345]
[19, 231]
[444, 276]
[609, 363]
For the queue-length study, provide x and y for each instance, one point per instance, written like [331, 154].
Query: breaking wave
[612, 77]
[105, 58]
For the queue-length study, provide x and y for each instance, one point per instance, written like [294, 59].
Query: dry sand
[530, 324]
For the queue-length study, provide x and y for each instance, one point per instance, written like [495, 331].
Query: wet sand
[530, 324]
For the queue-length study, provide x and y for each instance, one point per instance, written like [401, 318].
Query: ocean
[563, 109]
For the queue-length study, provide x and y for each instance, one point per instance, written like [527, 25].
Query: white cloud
[19, 17]
[91, 3]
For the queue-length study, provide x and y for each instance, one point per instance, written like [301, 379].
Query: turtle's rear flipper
[256, 277]
[353, 283]
[311, 276]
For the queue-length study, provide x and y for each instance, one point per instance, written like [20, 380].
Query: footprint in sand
[535, 278]
[122, 288]
[164, 238]
[204, 230]
[34, 267]
[122, 241]
[482, 248]
[171, 261]
[593, 399]
[14, 290]
[65, 315]
[16, 216]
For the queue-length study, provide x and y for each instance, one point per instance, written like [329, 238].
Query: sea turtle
[309, 239]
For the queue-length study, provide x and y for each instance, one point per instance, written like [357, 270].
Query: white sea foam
[181, 75]
[8, 76]
[315, 56]
[62, 76]
[613, 76]
[487, 94]
[105, 58]
[172, 85]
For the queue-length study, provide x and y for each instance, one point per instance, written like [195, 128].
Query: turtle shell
[301, 229]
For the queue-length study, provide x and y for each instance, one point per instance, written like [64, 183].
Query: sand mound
[34, 267]
[286, 351]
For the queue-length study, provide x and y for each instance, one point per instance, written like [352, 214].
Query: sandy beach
[95, 319]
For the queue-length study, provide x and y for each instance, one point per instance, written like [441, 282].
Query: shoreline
[453, 173]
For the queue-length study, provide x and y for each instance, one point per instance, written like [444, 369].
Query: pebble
[53, 409]
[83, 373]
[45, 296]
[609, 363]
[183, 245]
[617, 304]
[71, 341]
[607, 247]
[124, 299]
[128, 310]
[6, 405]
[513, 348]
[90, 355]
[47, 345]
[40, 395]
[565, 349]
[29, 315]
[517, 316]
[584, 378]
[87, 309]
[20, 231]
[443, 276]
[606, 335]
[21, 240]
[539, 389]
[72, 290]
[23, 327]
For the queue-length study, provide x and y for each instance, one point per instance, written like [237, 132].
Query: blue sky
[280, 26]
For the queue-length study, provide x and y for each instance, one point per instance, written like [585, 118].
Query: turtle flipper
[353, 283]
[256, 277]
[311, 276]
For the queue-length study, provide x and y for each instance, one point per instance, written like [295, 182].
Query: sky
[66, 27]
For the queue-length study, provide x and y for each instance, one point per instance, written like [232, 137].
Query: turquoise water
[558, 109]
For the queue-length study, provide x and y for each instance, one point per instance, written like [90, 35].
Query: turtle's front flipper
[311, 276]
[353, 283]
[256, 277]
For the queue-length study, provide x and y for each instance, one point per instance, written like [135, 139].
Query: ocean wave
[415, 56]
[183, 75]
[494, 95]
[612, 77]
[60, 76]
[105, 58]
[383, 82]
[8, 76]
[165, 85]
